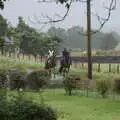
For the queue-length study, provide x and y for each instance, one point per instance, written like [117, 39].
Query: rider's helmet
[65, 50]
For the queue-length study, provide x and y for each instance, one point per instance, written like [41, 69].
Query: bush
[3, 79]
[17, 79]
[117, 85]
[70, 83]
[3, 83]
[37, 79]
[17, 109]
[102, 87]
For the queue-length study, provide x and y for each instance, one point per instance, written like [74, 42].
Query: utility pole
[88, 34]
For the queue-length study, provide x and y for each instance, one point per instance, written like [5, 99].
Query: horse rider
[65, 55]
[50, 53]
[49, 56]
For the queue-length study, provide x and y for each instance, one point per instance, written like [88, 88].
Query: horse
[65, 65]
[50, 64]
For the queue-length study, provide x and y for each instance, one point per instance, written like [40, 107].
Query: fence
[100, 63]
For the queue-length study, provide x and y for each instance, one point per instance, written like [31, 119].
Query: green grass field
[79, 107]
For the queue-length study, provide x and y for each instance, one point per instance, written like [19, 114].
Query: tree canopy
[27, 39]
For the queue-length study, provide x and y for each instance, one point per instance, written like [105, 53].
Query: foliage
[3, 79]
[37, 79]
[70, 84]
[117, 85]
[32, 42]
[72, 38]
[3, 26]
[102, 87]
[17, 79]
[25, 39]
[109, 42]
[21, 109]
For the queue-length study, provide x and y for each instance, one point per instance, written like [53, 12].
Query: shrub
[37, 79]
[3, 83]
[117, 85]
[17, 79]
[25, 110]
[70, 83]
[3, 79]
[102, 87]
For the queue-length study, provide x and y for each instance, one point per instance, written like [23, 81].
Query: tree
[34, 43]
[3, 31]
[109, 42]
[3, 26]
[76, 39]
[59, 33]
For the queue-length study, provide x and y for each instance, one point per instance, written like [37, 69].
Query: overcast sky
[77, 15]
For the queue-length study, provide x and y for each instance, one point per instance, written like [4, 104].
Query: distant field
[96, 53]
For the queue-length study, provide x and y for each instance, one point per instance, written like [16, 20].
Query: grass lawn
[79, 107]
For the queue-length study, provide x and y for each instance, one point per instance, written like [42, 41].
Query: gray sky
[77, 15]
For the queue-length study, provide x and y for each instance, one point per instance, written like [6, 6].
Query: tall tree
[3, 32]
[108, 42]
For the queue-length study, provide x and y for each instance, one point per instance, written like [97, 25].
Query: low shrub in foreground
[17, 79]
[102, 87]
[3, 79]
[70, 83]
[38, 79]
[117, 85]
[21, 109]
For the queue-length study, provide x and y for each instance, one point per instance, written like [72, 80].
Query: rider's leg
[61, 67]
[61, 64]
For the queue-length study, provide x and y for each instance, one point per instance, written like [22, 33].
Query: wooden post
[117, 68]
[109, 67]
[82, 65]
[89, 39]
[98, 67]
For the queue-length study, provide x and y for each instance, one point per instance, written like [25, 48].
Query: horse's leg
[54, 71]
[64, 71]
[50, 72]
[68, 69]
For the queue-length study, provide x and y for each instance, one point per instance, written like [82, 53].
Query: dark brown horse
[50, 65]
[65, 62]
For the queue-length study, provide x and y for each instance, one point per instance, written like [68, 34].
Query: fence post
[109, 67]
[117, 68]
[98, 67]
[82, 65]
